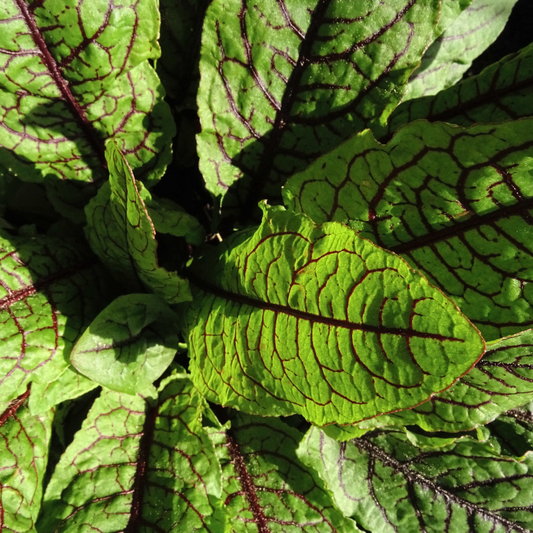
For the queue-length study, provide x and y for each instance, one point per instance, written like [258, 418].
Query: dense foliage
[326, 328]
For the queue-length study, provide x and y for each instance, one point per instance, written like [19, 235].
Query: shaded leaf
[24, 440]
[138, 463]
[266, 487]
[513, 431]
[73, 76]
[281, 84]
[129, 344]
[454, 202]
[50, 290]
[120, 231]
[450, 56]
[501, 92]
[317, 321]
[388, 485]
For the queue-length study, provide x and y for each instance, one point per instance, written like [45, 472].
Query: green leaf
[388, 485]
[120, 231]
[266, 487]
[513, 431]
[317, 321]
[24, 440]
[138, 463]
[50, 290]
[501, 92]
[129, 344]
[73, 76]
[281, 84]
[502, 380]
[454, 202]
[450, 56]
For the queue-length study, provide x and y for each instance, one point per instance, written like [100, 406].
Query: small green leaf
[120, 231]
[266, 487]
[129, 344]
[450, 56]
[24, 440]
[455, 202]
[50, 290]
[513, 431]
[501, 92]
[387, 484]
[138, 464]
[282, 83]
[317, 321]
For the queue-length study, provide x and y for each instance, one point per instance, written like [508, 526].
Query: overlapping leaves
[317, 321]
[454, 202]
[282, 83]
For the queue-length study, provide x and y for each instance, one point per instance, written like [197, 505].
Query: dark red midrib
[61, 83]
[13, 407]
[304, 315]
[474, 222]
[139, 482]
[247, 484]
[43, 283]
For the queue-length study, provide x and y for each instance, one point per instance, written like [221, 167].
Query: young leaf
[129, 344]
[454, 202]
[317, 321]
[135, 465]
[501, 92]
[266, 487]
[282, 83]
[121, 233]
[73, 76]
[389, 485]
[450, 56]
[502, 380]
[50, 290]
[24, 440]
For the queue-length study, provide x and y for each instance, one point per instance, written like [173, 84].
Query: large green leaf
[317, 321]
[73, 75]
[121, 232]
[283, 82]
[501, 92]
[454, 202]
[50, 290]
[129, 344]
[266, 487]
[24, 440]
[450, 56]
[138, 463]
[502, 380]
[387, 484]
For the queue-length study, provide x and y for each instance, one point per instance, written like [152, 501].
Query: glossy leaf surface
[24, 440]
[134, 465]
[121, 232]
[282, 83]
[50, 290]
[266, 488]
[72, 76]
[317, 321]
[389, 485]
[129, 344]
[500, 92]
[450, 56]
[455, 203]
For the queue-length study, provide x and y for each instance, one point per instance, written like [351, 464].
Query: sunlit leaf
[129, 344]
[389, 485]
[314, 320]
[24, 440]
[121, 232]
[266, 487]
[454, 202]
[283, 82]
[138, 463]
